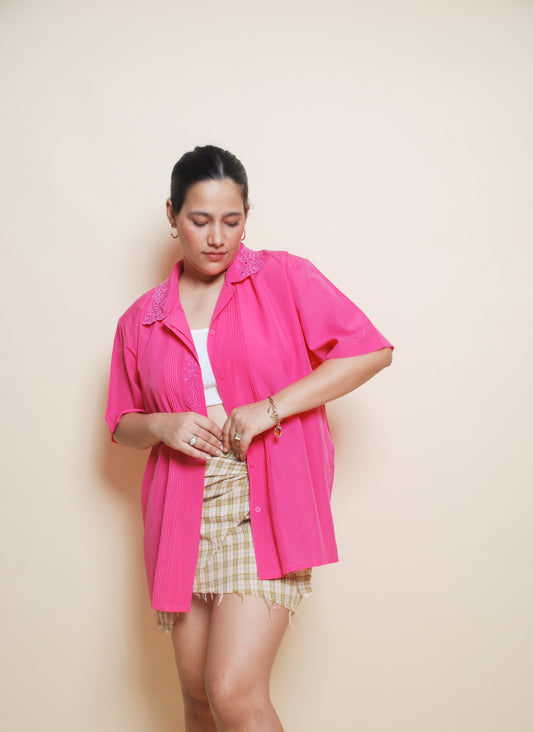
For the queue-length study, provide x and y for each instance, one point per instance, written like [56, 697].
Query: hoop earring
[172, 235]
[243, 237]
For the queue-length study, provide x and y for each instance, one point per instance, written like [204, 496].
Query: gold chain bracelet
[274, 416]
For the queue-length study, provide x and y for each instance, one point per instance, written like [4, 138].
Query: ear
[171, 216]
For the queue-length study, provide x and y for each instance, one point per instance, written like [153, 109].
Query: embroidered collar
[246, 263]
[156, 308]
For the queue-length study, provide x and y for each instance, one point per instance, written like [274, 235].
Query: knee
[236, 698]
[192, 683]
[196, 704]
[193, 691]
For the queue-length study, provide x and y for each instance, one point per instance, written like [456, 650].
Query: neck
[198, 297]
[193, 279]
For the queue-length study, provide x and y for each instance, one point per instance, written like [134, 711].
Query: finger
[201, 450]
[239, 444]
[236, 445]
[209, 426]
[209, 437]
[226, 441]
[243, 445]
[205, 446]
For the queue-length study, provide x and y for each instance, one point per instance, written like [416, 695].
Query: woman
[223, 371]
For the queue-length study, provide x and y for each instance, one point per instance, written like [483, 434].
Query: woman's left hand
[245, 422]
[333, 378]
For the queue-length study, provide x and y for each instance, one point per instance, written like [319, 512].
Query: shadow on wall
[148, 656]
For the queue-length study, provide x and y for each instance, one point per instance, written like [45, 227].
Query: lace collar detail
[247, 262]
[156, 309]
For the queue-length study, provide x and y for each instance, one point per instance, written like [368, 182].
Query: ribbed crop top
[211, 392]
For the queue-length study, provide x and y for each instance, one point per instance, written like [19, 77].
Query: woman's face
[210, 227]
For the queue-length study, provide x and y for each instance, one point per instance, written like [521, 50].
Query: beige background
[390, 142]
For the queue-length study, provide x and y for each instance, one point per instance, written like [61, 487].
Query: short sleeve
[333, 326]
[125, 393]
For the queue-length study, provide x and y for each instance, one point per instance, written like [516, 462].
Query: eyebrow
[204, 213]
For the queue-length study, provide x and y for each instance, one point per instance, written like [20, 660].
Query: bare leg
[243, 642]
[190, 637]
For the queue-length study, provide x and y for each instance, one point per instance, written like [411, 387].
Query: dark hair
[205, 163]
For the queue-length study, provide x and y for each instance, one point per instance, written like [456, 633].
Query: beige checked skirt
[226, 558]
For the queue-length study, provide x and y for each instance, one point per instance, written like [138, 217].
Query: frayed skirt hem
[165, 620]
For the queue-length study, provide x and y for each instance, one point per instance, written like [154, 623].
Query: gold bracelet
[274, 416]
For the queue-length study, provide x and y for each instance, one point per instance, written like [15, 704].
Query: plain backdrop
[389, 142]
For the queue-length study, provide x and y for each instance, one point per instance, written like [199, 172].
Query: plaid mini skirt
[226, 557]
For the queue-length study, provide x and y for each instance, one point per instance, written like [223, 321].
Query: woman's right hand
[178, 429]
[175, 429]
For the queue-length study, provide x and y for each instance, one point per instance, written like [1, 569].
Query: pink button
[212, 332]
[257, 509]
[221, 377]
[251, 463]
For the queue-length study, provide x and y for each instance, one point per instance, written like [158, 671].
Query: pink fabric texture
[276, 318]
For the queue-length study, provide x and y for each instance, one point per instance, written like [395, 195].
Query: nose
[214, 235]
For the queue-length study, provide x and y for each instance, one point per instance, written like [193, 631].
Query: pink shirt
[276, 318]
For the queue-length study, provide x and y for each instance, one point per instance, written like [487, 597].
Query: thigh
[190, 637]
[243, 641]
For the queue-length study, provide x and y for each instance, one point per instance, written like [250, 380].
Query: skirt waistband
[225, 466]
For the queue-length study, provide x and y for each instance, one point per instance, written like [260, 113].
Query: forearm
[193, 434]
[332, 379]
[138, 430]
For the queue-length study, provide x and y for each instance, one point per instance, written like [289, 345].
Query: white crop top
[212, 395]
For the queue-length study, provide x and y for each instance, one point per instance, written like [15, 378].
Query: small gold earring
[171, 234]
[243, 237]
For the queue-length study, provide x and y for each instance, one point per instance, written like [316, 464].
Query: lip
[215, 256]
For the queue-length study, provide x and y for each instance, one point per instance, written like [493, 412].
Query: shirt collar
[165, 296]
[246, 263]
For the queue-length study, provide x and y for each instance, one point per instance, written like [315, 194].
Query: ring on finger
[192, 441]
[237, 437]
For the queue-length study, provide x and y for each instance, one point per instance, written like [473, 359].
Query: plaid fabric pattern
[226, 558]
